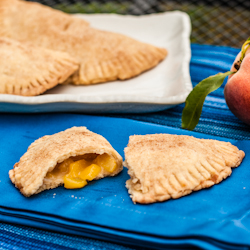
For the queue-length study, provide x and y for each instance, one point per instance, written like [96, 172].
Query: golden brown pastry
[27, 70]
[72, 157]
[164, 166]
[103, 56]
[37, 18]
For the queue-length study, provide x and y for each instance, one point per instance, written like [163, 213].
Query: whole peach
[237, 89]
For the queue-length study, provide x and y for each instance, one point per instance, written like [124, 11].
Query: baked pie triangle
[28, 70]
[164, 166]
[70, 158]
[103, 56]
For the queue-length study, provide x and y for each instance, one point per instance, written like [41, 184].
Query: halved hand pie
[72, 157]
[103, 56]
[28, 70]
[164, 166]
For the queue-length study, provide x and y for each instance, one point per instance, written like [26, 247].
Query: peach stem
[244, 48]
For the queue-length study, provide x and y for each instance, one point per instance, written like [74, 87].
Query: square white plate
[160, 88]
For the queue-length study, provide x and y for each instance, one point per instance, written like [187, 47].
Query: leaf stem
[244, 48]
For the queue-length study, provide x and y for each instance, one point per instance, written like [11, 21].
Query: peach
[237, 89]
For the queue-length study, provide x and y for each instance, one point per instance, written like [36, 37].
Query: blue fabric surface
[104, 209]
[216, 120]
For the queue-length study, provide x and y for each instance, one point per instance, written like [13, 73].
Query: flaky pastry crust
[164, 166]
[44, 154]
[28, 70]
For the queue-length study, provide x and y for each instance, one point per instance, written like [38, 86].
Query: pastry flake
[164, 166]
[71, 158]
[103, 56]
[28, 71]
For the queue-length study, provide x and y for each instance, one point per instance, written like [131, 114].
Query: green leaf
[194, 102]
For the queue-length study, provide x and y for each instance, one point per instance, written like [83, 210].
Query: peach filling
[76, 171]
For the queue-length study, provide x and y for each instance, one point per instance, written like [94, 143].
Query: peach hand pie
[164, 166]
[103, 56]
[28, 70]
[71, 158]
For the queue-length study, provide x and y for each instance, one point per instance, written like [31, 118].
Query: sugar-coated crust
[164, 166]
[103, 56]
[45, 153]
[28, 70]
[108, 56]
[36, 17]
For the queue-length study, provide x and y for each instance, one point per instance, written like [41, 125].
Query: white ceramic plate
[160, 88]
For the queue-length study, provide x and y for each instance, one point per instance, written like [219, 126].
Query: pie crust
[164, 166]
[43, 155]
[29, 71]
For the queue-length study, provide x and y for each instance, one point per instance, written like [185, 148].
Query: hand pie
[164, 166]
[27, 70]
[72, 157]
[103, 56]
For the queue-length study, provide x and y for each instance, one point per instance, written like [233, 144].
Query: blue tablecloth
[216, 120]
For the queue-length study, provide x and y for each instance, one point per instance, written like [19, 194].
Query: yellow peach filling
[76, 171]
